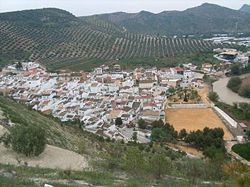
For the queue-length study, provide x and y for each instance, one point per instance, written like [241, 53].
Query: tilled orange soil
[194, 119]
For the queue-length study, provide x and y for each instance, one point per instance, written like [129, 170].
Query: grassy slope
[23, 116]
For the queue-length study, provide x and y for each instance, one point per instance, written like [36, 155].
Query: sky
[89, 7]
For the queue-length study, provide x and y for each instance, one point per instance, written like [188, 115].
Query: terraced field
[86, 39]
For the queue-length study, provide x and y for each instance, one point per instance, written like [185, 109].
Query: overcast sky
[89, 7]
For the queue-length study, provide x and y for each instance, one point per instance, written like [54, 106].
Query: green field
[243, 150]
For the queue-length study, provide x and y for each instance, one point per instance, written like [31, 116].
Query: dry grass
[194, 119]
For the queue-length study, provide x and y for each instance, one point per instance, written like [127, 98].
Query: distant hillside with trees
[61, 40]
[205, 19]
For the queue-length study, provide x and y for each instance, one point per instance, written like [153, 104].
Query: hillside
[245, 8]
[204, 19]
[53, 36]
[112, 163]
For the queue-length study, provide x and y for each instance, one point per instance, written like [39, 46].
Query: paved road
[225, 94]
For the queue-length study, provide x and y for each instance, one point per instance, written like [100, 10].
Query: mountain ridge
[206, 18]
[245, 8]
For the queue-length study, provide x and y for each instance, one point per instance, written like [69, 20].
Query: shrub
[235, 69]
[28, 140]
[213, 96]
[244, 89]
[234, 84]
[118, 122]
[142, 124]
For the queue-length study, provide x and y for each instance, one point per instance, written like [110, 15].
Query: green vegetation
[118, 122]
[55, 133]
[213, 96]
[243, 150]
[15, 181]
[248, 134]
[182, 134]
[209, 140]
[240, 86]
[238, 111]
[163, 132]
[142, 124]
[234, 84]
[186, 95]
[28, 140]
[236, 69]
[244, 89]
[71, 43]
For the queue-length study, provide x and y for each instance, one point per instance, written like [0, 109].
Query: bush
[28, 140]
[244, 90]
[118, 122]
[213, 96]
[235, 69]
[234, 84]
[248, 134]
[164, 133]
[142, 124]
[206, 138]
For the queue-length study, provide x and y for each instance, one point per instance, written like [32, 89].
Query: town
[108, 101]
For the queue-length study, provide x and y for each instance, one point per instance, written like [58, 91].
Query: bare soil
[194, 119]
[52, 157]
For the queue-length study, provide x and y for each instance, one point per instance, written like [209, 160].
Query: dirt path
[204, 94]
[52, 157]
[187, 149]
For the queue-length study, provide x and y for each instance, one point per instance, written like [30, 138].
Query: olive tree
[28, 140]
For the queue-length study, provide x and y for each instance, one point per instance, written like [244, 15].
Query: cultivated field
[194, 119]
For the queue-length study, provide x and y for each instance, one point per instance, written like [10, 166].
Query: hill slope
[50, 35]
[207, 18]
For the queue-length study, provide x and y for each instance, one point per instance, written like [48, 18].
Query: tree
[248, 134]
[234, 84]
[134, 136]
[183, 133]
[206, 139]
[213, 96]
[235, 69]
[245, 108]
[159, 165]
[163, 133]
[142, 124]
[28, 140]
[134, 161]
[244, 89]
[171, 90]
[118, 122]
[214, 153]
[19, 66]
